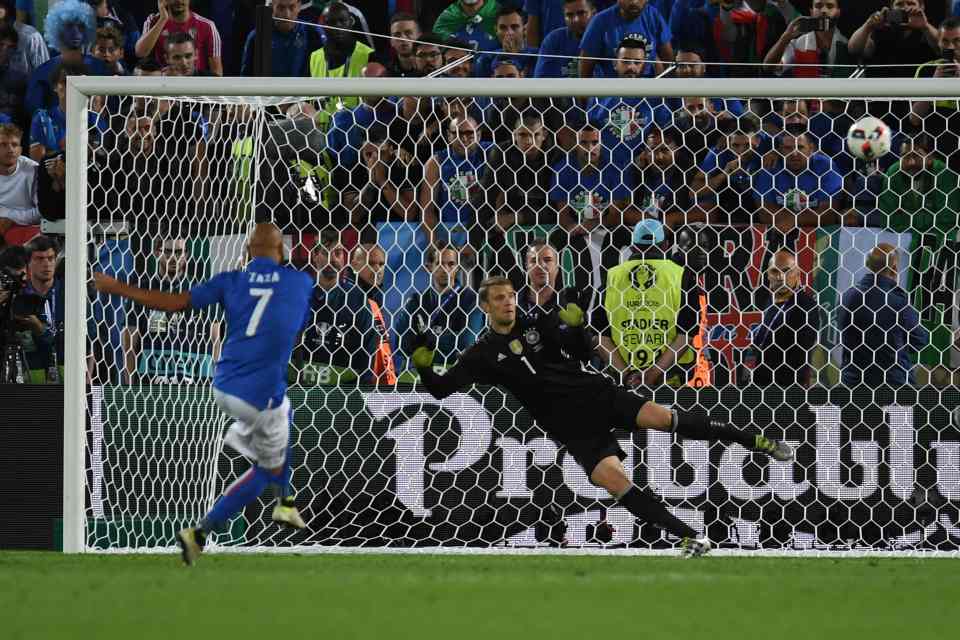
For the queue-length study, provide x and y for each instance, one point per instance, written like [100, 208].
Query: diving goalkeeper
[538, 361]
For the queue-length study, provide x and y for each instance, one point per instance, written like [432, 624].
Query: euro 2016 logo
[643, 276]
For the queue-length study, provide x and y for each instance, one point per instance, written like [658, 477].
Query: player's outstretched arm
[150, 298]
[438, 385]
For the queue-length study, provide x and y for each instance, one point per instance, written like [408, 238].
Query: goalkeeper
[266, 307]
[538, 361]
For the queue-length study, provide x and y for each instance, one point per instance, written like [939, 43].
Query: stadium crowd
[401, 205]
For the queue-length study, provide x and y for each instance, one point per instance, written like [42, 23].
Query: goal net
[798, 289]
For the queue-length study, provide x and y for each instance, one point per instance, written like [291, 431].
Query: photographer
[13, 273]
[38, 313]
[809, 41]
[895, 35]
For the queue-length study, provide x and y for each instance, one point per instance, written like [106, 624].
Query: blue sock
[241, 493]
[284, 490]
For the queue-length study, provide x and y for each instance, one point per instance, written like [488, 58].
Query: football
[869, 138]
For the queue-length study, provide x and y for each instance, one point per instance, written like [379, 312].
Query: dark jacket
[783, 342]
[878, 330]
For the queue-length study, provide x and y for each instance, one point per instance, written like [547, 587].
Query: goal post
[80, 90]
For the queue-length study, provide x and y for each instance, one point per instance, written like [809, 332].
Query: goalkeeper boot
[776, 449]
[695, 547]
[285, 514]
[191, 543]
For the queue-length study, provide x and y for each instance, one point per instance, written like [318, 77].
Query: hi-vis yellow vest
[642, 302]
[350, 69]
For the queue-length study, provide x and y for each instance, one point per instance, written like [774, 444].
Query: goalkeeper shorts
[260, 435]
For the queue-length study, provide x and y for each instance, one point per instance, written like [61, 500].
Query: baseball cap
[648, 232]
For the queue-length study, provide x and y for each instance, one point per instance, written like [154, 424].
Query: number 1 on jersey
[529, 366]
[264, 297]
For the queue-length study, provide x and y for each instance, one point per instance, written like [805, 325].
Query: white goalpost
[387, 468]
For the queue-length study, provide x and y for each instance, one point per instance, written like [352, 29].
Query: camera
[823, 23]
[897, 17]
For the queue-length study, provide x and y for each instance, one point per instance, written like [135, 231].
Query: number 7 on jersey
[264, 297]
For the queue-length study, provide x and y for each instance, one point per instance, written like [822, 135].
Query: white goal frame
[81, 88]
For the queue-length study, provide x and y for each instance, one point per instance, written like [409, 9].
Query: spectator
[723, 185]
[511, 38]
[31, 49]
[608, 28]
[340, 342]
[895, 35]
[42, 336]
[543, 16]
[592, 198]
[702, 122]
[109, 15]
[428, 54]
[390, 192]
[342, 56]
[624, 120]
[48, 130]
[689, 66]
[471, 20]
[501, 115]
[661, 169]
[799, 187]
[650, 312]
[458, 50]
[108, 49]
[744, 30]
[692, 25]
[879, 329]
[169, 348]
[291, 43]
[564, 41]
[811, 41]
[941, 119]
[542, 292]
[783, 342]
[71, 29]
[369, 263]
[448, 307]
[175, 16]
[182, 57]
[13, 81]
[403, 29]
[451, 192]
[921, 197]
[18, 182]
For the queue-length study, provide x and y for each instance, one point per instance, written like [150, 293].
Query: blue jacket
[878, 330]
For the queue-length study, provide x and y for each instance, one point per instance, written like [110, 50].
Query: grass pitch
[342, 597]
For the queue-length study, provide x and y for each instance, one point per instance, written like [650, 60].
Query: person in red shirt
[174, 16]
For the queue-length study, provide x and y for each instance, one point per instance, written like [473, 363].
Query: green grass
[335, 597]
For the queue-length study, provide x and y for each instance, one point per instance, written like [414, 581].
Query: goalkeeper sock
[697, 425]
[647, 506]
[245, 490]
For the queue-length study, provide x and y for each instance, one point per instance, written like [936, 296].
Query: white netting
[411, 201]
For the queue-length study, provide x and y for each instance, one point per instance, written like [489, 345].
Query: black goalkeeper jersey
[539, 362]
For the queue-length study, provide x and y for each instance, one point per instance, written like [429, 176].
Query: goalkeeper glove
[422, 358]
[572, 315]
[423, 335]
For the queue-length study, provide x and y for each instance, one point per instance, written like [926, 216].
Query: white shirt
[18, 193]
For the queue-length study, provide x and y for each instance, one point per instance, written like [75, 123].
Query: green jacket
[930, 202]
[453, 19]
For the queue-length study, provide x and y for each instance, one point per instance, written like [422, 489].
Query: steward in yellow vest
[343, 56]
[651, 306]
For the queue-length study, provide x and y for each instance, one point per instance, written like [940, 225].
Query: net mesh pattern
[761, 306]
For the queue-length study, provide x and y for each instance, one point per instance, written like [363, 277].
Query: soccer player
[538, 362]
[266, 307]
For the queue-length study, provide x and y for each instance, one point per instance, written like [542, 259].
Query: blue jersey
[348, 133]
[559, 42]
[459, 184]
[811, 188]
[550, 13]
[589, 193]
[607, 29]
[266, 306]
[956, 8]
[623, 124]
